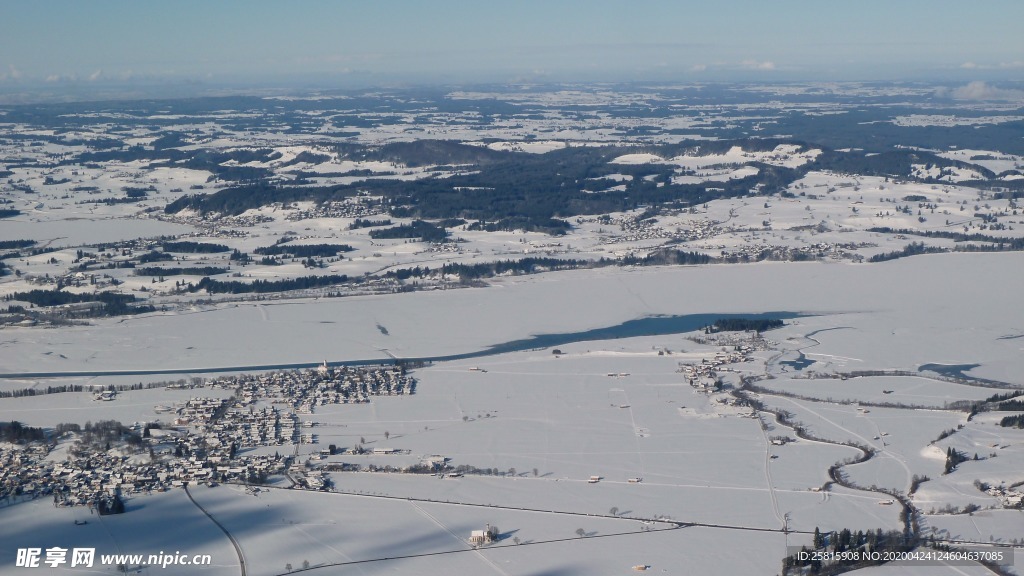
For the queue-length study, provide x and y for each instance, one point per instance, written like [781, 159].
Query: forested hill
[507, 190]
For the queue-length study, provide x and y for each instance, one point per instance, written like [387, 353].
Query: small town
[207, 440]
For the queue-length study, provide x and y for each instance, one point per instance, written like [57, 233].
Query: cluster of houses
[20, 469]
[202, 441]
[754, 252]
[97, 476]
[348, 208]
[251, 428]
[444, 247]
[1009, 497]
[215, 223]
[304, 390]
[636, 228]
[734, 348]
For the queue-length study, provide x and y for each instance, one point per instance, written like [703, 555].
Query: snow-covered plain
[565, 416]
[894, 327]
[615, 408]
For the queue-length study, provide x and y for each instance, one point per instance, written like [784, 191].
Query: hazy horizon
[68, 47]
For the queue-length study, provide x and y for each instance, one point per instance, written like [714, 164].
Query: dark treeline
[744, 324]
[59, 297]
[533, 265]
[61, 389]
[1013, 421]
[523, 266]
[16, 433]
[23, 392]
[999, 242]
[303, 250]
[1010, 406]
[361, 223]
[194, 247]
[667, 257]
[185, 271]
[912, 249]
[264, 286]
[416, 229]
[1006, 396]
[16, 244]
[111, 303]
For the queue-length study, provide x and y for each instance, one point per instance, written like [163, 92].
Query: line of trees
[17, 433]
[187, 246]
[303, 250]
[110, 303]
[912, 249]
[363, 223]
[999, 242]
[1013, 421]
[421, 229]
[186, 271]
[264, 286]
[16, 244]
[60, 297]
[743, 324]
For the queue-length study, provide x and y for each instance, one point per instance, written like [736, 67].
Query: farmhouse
[485, 536]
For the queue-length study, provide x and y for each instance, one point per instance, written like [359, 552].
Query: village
[734, 348]
[209, 440]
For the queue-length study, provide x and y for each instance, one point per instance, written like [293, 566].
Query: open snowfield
[592, 460]
[893, 326]
[618, 409]
[906, 390]
[127, 407]
[899, 439]
[163, 522]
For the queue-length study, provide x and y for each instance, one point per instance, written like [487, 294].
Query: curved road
[238, 549]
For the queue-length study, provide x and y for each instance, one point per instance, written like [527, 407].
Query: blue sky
[378, 41]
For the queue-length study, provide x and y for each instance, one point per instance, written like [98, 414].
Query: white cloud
[698, 67]
[756, 65]
[14, 73]
[981, 91]
[1016, 64]
[96, 76]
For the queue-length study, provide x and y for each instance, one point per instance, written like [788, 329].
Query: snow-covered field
[893, 327]
[595, 459]
[614, 408]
